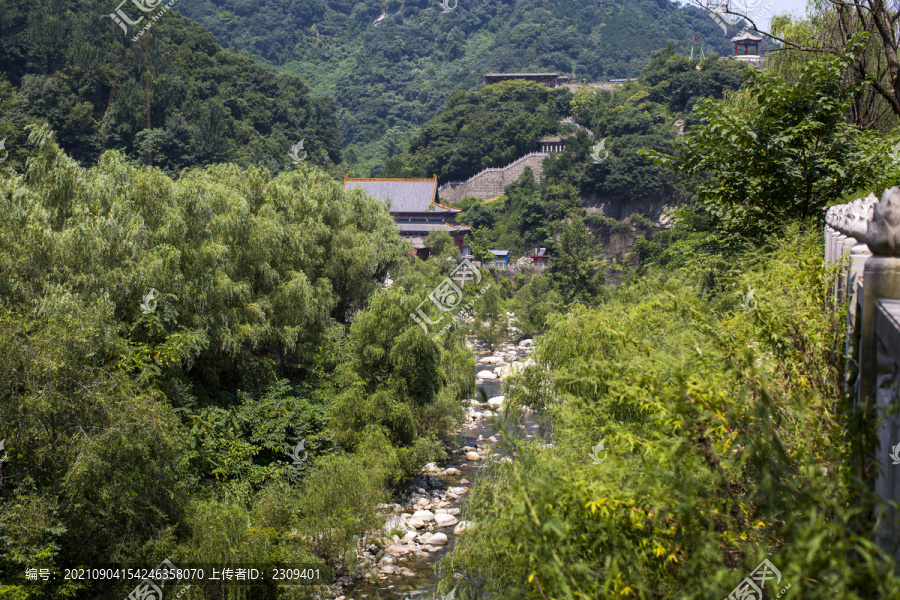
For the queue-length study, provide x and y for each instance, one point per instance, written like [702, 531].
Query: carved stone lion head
[883, 233]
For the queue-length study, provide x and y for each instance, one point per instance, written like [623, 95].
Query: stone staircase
[490, 182]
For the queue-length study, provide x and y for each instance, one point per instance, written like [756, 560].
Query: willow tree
[828, 30]
[242, 265]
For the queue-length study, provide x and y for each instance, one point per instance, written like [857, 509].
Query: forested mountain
[493, 125]
[225, 368]
[75, 69]
[489, 127]
[391, 77]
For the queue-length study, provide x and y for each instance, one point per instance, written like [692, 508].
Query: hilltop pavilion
[746, 49]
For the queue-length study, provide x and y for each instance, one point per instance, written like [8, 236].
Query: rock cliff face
[623, 208]
[619, 245]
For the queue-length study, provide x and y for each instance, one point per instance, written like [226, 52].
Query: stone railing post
[837, 249]
[882, 282]
[829, 235]
[845, 251]
[857, 225]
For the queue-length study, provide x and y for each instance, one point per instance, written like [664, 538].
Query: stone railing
[862, 255]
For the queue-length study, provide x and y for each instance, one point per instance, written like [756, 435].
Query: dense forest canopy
[69, 65]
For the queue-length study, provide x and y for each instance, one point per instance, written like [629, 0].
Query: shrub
[722, 446]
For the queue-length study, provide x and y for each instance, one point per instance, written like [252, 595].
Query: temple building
[549, 79]
[551, 144]
[415, 208]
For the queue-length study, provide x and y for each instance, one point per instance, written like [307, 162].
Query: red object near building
[540, 257]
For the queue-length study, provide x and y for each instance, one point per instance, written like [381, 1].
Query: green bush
[605, 224]
[337, 502]
[640, 220]
[722, 446]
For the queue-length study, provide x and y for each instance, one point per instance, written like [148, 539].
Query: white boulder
[438, 539]
[443, 520]
[423, 515]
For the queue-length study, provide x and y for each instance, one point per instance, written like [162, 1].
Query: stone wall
[491, 182]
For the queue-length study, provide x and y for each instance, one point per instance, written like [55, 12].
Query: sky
[795, 7]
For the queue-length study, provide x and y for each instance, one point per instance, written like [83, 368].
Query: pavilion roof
[746, 36]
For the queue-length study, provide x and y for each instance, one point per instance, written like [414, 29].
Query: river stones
[393, 522]
[427, 517]
[423, 515]
[444, 520]
[438, 539]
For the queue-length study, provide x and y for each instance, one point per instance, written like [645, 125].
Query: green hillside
[391, 77]
[69, 65]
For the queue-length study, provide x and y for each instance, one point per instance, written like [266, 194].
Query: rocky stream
[423, 523]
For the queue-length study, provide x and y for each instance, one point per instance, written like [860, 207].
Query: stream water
[422, 583]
